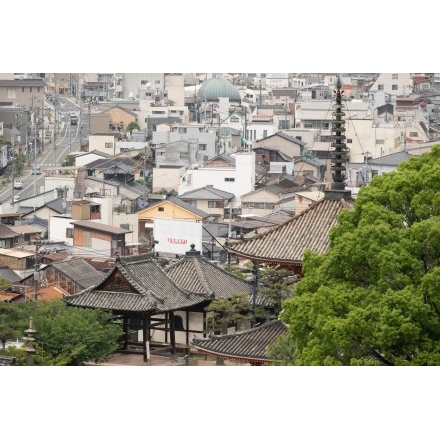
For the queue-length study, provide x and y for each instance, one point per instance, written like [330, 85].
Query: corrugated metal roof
[25, 229]
[15, 253]
[90, 224]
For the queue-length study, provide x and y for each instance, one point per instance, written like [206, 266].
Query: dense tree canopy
[69, 335]
[374, 297]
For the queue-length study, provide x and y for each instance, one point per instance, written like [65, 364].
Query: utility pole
[70, 136]
[37, 269]
[145, 172]
[56, 126]
[256, 276]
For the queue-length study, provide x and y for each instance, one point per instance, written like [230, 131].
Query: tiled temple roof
[247, 346]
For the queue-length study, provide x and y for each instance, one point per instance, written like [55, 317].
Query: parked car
[36, 170]
[16, 199]
[18, 184]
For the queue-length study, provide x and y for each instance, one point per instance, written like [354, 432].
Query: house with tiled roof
[167, 208]
[263, 201]
[72, 275]
[26, 233]
[248, 347]
[7, 237]
[279, 142]
[9, 274]
[208, 199]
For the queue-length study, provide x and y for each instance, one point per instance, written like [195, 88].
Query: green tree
[10, 325]
[374, 297]
[4, 283]
[132, 126]
[224, 312]
[275, 286]
[71, 336]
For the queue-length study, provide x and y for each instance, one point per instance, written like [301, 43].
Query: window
[125, 226]
[22, 90]
[11, 93]
[380, 87]
[308, 125]
[69, 232]
[265, 133]
[395, 76]
[144, 82]
[182, 130]
[299, 138]
[216, 204]
[184, 155]
[229, 179]
[349, 141]
[161, 209]
[108, 145]
[87, 239]
[380, 141]
[394, 87]
[234, 119]
[414, 134]
[202, 147]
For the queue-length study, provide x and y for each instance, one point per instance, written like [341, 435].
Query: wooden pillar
[172, 333]
[144, 337]
[187, 327]
[126, 333]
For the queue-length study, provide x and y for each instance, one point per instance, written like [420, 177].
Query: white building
[394, 84]
[234, 174]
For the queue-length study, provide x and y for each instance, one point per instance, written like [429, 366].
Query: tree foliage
[224, 312]
[4, 283]
[374, 297]
[275, 286]
[71, 336]
[132, 126]
[10, 325]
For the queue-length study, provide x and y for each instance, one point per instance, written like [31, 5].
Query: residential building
[234, 174]
[167, 208]
[209, 199]
[393, 84]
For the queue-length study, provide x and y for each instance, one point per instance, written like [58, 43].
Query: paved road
[67, 139]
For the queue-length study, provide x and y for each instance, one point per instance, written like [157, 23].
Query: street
[65, 140]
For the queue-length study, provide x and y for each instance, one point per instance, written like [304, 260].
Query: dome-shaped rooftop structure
[215, 88]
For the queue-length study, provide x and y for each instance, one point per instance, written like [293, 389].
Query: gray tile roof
[393, 159]
[79, 271]
[248, 345]
[197, 274]
[6, 232]
[286, 243]
[145, 289]
[188, 207]
[9, 274]
[208, 192]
